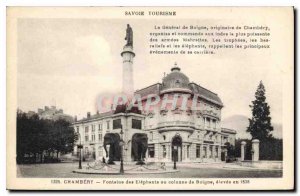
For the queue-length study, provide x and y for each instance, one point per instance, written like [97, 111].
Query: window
[198, 151]
[100, 137]
[151, 151]
[86, 138]
[136, 124]
[93, 137]
[164, 137]
[151, 136]
[217, 152]
[210, 150]
[117, 124]
[100, 127]
[205, 151]
[225, 139]
[86, 149]
[164, 151]
[86, 130]
[188, 152]
[107, 124]
[93, 128]
[214, 124]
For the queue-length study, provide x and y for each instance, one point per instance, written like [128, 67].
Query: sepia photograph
[154, 98]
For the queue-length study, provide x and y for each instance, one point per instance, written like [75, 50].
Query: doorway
[177, 148]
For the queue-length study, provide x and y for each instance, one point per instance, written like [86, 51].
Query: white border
[5, 3]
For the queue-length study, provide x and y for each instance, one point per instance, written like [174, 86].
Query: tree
[260, 124]
[36, 136]
[63, 137]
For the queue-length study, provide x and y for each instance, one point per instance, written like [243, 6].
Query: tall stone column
[255, 150]
[243, 143]
[213, 151]
[128, 56]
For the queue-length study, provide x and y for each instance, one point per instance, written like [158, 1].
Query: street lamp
[121, 146]
[175, 156]
[79, 147]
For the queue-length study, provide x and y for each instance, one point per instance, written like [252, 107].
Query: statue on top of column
[129, 36]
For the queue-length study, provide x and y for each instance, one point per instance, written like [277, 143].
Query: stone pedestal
[255, 150]
[243, 143]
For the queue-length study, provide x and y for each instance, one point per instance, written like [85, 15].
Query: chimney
[40, 111]
[88, 115]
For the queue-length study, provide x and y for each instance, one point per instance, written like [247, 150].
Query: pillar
[255, 150]
[207, 151]
[243, 143]
[219, 152]
[192, 152]
[170, 152]
[156, 151]
[183, 152]
[128, 56]
[213, 151]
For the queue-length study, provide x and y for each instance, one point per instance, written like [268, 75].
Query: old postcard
[150, 98]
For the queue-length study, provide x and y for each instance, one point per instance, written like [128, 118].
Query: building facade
[186, 135]
[50, 113]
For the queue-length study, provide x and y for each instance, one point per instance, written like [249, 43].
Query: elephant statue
[139, 147]
[113, 140]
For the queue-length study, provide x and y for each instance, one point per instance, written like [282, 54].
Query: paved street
[64, 170]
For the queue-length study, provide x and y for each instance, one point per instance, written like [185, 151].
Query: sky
[68, 62]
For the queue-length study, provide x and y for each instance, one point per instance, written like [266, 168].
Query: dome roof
[175, 81]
